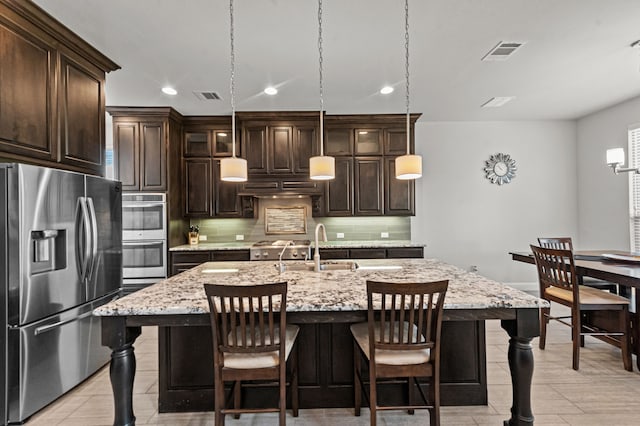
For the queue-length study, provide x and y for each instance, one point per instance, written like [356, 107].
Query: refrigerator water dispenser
[48, 250]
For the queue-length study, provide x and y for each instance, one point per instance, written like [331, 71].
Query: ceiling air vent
[207, 95]
[502, 51]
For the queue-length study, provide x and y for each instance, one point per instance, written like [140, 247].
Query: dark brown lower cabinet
[325, 351]
[373, 253]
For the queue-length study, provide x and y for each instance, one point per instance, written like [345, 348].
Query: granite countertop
[329, 244]
[242, 245]
[336, 290]
[367, 244]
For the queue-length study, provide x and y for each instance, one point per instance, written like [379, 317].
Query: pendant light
[408, 166]
[321, 167]
[233, 169]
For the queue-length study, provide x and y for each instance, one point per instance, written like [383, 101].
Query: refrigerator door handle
[50, 327]
[94, 237]
[82, 239]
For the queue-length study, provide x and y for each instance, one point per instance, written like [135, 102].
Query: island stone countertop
[333, 290]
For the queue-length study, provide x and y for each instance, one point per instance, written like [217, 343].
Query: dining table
[615, 266]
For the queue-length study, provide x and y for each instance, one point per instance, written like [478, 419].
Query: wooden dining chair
[593, 312]
[251, 341]
[565, 243]
[401, 339]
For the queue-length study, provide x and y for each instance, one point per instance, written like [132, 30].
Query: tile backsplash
[353, 228]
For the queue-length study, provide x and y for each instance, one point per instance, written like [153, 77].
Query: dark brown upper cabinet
[197, 143]
[52, 92]
[27, 103]
[209, 141]
[205, 195]
[399, 194]
[368, 141]
[279, 148]
[81, 114]
[338, 140]
[395, 142]
[198, 187]
[305, 146]
[368, 180]
[140, 155]
[226, 202]
[339, 191]
[146, 148]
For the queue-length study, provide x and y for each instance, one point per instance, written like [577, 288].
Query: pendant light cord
[232, 83]
[406, 73]
[321, 86]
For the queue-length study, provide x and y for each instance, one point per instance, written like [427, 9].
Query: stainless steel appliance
[144, 240]
[60, 257]
[271, 250]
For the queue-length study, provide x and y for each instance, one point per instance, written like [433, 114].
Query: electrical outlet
[473, 268]
[239, 237]
[340, 235]
[384, 235]
[202, 238]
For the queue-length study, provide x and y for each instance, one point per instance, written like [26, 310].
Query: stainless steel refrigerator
[60, 257]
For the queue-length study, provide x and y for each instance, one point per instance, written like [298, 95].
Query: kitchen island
[324, 304]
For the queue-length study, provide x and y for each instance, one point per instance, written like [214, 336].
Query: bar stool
[404, 341]
[251, 341]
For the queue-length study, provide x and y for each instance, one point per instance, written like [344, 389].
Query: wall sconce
[615, 160]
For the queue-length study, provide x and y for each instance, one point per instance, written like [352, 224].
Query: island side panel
[325, 365]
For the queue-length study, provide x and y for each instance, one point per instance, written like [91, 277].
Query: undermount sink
[324, 266]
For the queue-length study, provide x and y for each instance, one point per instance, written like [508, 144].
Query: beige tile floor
[602, 392]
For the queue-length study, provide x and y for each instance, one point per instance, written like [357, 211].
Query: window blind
[634, 187]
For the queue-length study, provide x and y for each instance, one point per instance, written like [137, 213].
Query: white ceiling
[577, 58]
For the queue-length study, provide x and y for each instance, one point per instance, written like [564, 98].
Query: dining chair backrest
[563, 243]
[556, 268]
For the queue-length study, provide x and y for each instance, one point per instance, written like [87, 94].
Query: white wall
[465, 220]
[603, 197]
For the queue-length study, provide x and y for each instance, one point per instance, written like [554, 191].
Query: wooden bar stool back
[593, 312]
[401, 339]
[251, 341]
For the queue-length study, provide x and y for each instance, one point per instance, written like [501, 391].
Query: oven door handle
[142, 205]
[136, 243]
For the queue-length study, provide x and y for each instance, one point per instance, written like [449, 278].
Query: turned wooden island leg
[520, 356]
[117, 336]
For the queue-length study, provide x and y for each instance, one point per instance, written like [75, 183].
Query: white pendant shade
[408, 167]
[233, 169]
[615, 156]
[322, 167]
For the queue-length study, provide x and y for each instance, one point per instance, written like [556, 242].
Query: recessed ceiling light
[271, 90]
[386, 90]
[498, 101]
[169, 91]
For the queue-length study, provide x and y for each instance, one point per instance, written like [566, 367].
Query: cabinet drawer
[229, 255]
[368, 253]
[197, 257]
[405, 252]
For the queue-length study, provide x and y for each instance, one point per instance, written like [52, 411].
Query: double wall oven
[144, 240]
